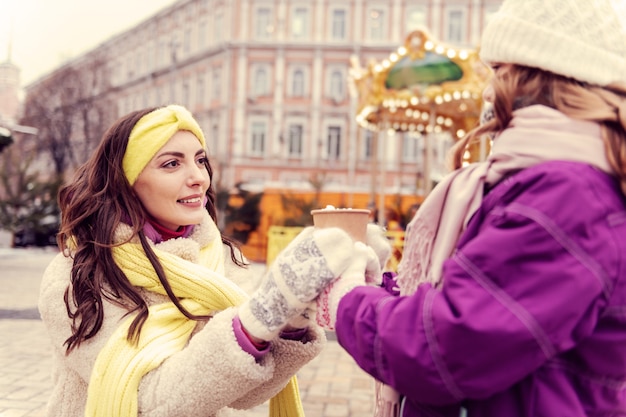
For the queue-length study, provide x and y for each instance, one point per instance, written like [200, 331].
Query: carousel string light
[454, 79]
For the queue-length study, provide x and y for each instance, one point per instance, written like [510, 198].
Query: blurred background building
[269, 83]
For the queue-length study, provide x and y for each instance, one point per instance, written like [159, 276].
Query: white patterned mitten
[378, 241]
[365, 263]
[314, 259]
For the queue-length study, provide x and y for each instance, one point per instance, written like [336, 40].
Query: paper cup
[353, 221]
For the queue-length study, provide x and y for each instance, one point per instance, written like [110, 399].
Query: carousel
[424, 87]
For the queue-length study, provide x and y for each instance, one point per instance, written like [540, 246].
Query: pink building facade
[268, 81]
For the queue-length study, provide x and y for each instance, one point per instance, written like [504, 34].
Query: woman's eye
[203, 160]
[171, 164]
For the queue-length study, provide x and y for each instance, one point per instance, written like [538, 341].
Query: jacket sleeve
[213, 372]
[290, 356]
[517, 294]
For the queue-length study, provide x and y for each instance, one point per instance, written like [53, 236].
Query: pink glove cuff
[328, 301]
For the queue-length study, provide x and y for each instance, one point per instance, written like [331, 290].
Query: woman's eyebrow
[180, 154]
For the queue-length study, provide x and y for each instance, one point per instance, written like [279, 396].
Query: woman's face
[173, 184]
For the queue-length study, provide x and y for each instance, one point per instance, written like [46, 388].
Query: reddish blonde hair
[518, 86]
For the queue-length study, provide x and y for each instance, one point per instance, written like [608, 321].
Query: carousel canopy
[423, 86]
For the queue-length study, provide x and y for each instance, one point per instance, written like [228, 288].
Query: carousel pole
[374, 170]
[428, 150]
[482, 155]
[388, 134]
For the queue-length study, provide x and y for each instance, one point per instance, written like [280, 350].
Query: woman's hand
[314, 259]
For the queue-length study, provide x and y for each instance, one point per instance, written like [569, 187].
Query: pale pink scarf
[536, 134]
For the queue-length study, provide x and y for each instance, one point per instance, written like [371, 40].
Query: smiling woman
[150, 309]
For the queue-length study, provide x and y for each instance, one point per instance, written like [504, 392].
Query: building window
[129, 67]
[214, 140]
[260, 85]
[295, 141]
[264, 26]
[336, 85]
[200, 89]
[218, 27]
[173, 47]
[333, 143]
[150, 58]
[411, 146]
[160, 95]
[416, 18]
[173, 98]
[163, 53]
[257, 138]
[187, 41]
[376, 24]
[138, 64]
[456, 27]
[202, 35]
[338, 25]
[186, 94]
[300, 23]
[297, 83]
[216, 92]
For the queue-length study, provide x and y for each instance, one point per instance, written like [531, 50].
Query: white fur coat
[210, 377]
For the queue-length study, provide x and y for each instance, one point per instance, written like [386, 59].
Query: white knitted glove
[365, 262]
[378, 241]
[304, 318]
[299, 273]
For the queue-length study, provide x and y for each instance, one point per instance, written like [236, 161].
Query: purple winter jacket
[531, 317]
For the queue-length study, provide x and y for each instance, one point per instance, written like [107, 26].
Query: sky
[43, 34]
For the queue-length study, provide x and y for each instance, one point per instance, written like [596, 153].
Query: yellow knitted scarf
[203, 289]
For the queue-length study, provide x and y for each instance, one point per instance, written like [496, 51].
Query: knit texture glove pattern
[365, 263]
[314, 259]
[378, 241]
[304, 319]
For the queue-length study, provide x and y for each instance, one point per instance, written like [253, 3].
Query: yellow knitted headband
[153, 131]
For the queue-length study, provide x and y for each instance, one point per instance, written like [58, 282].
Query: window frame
[257, 146]
[292, 89]
[456, 35]
[333, 142]
[263, 24]
[382, 31]
[410, 23]
[332, 32]
[330, 84]
[305, 20]
[295, 143]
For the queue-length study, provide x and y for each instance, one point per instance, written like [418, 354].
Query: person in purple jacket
[513, 278]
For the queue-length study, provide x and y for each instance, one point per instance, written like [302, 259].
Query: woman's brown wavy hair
[92, 206]
[518, 86]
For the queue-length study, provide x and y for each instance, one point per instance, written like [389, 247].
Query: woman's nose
[198, 175]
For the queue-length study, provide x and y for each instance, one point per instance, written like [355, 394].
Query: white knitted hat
[580, 39]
